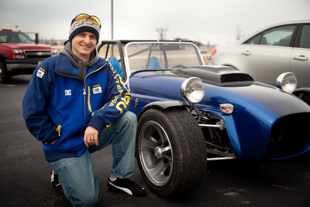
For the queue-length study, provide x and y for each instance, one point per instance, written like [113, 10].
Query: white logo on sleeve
[40, 72]
[68, 92]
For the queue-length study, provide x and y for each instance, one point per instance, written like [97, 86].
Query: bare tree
[162, 32]
[238, 33]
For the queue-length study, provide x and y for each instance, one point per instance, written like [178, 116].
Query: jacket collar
[64, 65]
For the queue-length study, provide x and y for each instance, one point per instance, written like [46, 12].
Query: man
[76, 104]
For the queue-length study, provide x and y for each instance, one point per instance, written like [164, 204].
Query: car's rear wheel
[171, 151]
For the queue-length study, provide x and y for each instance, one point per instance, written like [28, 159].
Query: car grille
[229, 78]
[289, 135]
[38, 54]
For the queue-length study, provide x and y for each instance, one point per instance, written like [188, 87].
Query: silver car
[271, 51]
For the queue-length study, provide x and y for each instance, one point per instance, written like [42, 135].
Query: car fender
[229, 121]
[162, 105]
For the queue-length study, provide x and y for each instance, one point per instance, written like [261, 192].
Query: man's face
[83, 44]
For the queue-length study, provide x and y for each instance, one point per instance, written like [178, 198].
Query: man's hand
[91, 136]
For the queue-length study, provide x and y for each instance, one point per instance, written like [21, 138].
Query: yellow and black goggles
[84, 17]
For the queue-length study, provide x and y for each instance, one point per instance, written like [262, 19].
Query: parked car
[187, 110]
[19, 54]
[283, 47]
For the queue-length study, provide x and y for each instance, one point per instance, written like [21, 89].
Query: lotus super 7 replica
[187, 110]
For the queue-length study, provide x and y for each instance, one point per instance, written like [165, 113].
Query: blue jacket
[58, 105]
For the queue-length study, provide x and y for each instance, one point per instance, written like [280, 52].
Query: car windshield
[161, 56]
[16, 37]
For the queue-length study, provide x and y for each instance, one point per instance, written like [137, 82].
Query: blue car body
[257, 108]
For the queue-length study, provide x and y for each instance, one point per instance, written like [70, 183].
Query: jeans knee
[132, 118]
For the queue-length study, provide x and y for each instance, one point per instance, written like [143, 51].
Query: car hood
[24, 46]
[216, 75]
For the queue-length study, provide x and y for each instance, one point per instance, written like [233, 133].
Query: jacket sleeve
[118, 100]
[35, 105]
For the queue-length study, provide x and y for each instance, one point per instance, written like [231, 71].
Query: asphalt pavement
[25, 175]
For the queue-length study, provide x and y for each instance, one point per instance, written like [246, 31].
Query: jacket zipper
[84, 94]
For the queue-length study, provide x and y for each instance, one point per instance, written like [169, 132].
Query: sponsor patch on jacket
[40, 72]
[68, 92]
[97, 89]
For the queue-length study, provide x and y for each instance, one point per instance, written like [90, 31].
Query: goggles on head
[84, 17]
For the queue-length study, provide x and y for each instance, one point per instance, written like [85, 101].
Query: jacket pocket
[54, 141]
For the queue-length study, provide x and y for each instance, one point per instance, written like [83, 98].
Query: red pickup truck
[19, 54]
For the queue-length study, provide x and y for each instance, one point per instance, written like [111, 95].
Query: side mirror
[37, 38]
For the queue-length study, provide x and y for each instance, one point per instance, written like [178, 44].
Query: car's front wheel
[171, 151]
[3, 73]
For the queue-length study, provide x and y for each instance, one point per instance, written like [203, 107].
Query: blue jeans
[76, 174]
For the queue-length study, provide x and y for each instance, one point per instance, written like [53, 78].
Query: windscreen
[14, 37]
[161, 56]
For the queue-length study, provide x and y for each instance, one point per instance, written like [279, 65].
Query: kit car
[190, 113]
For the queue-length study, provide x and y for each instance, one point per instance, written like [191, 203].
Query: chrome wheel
[155, 154]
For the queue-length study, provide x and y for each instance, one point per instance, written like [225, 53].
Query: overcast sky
[213, 21]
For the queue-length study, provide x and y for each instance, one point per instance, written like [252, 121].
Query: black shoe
[126, 186]
[54, 179]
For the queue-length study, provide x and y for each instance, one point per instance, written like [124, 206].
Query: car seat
[116, 65]
[9, 38]
[304, 39]
[284, 42]
[263, 41]
[154, 64]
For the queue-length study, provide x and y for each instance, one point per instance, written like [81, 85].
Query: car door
[300, 58]
[267, 54]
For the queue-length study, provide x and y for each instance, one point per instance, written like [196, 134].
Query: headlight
[18, 54]
[287, 82]
[54, 51]
[193, 90]
[17, 51]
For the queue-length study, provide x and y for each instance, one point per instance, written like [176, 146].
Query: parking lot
[25, 175]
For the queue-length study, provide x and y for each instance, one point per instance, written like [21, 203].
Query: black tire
[3, 73]
[172, 155]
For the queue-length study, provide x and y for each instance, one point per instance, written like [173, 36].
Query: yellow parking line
[10, 85]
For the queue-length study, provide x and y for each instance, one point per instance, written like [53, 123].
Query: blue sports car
[190, 113]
